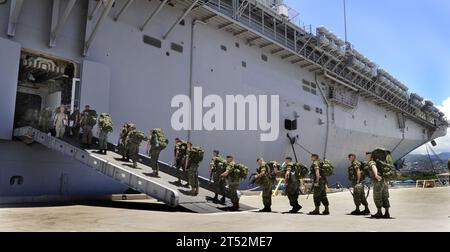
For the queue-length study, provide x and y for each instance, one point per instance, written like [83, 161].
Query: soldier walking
[88, 121]
[356, 177]
[319, 186]
[105, 126]
[263, 179]
[292, 185]
[233, 183]
[156, 143]
[135, 138]
[123, 137]
[380, 189]
[217, 167]
[179, 157]
[193, 157]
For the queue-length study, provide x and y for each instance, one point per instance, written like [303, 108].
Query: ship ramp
[164, 188]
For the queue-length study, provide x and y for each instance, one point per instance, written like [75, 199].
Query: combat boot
[315, 212]
[326, 211]
[295, 209]
[235, 207]
[366, 211]
[216, 198]
[387, 215]
[378, 215]
[266, 210]
[356, 212]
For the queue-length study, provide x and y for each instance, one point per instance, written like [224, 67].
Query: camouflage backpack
[91, 119]
[272, 169]
[136, 136]
[301, 171]
[239, 172]
[196, 154]
[159, 140]
[125, 130]
[326, 168]
[182, 147]
[105, 122]
[352, 173]
[385, 164]
[219, 165]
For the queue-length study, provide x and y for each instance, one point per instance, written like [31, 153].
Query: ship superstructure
[130, 58]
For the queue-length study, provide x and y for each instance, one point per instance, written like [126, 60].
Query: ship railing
[135, 181]
[304, 43]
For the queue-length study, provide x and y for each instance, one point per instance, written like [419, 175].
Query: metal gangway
[163, 188]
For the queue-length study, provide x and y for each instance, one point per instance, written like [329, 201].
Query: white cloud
[443, 143]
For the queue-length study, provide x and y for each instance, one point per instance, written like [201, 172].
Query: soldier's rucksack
[219, 165]
[326, 168]
[352, 173]
[159, 140]
[272, 169]
[239, 171]
[91, 119]
[196, 154]
[136, 136]
[105, 122]
[301, 171]
[385, 164]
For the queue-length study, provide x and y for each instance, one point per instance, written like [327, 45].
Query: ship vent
[152, 41]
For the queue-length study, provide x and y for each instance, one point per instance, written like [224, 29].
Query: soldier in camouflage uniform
[292, 190]
[123, 136]
[179, 156]
[359, 195]
[380, 190]
[219, 182]
[319, 186]
[103, 130]
[135, 138]
[153, 151]
[266, 184]
[233, 183]
[192, 170]
[87, 126]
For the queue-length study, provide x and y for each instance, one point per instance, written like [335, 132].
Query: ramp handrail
[132, 180]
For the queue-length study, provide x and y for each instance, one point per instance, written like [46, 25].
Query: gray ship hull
[133, 81]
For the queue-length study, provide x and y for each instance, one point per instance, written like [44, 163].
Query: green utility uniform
[105, 127]
[122, 146]
[87, 123]
[233, 184]
[292, 185]
[219, 182]
[266, 185]
[320, 190]
[359, 195]
[380, 190]
[135, 139]
[192, 172]
[154, 154]
[180, 155]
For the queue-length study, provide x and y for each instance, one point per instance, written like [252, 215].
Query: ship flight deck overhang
[318, 51]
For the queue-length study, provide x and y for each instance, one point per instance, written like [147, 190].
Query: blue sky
[408, 38]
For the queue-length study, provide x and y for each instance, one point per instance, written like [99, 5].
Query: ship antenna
[345, 23]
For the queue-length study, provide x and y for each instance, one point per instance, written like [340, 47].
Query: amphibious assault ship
[130, 58]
